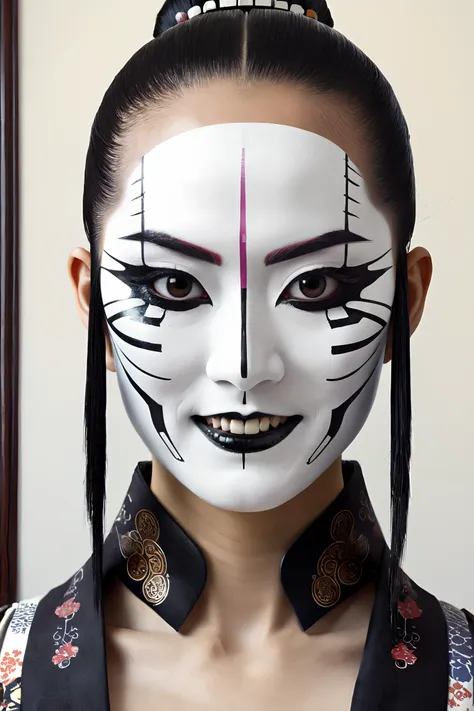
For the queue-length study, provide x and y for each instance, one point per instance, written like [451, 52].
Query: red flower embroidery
[401, 653]
[69, 607]
[9, 664]
[459, 692]
[67, 651]
[409, 609]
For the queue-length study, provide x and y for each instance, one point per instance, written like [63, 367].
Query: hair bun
[324, 13]
[166, 17]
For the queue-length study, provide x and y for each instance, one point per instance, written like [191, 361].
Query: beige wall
[69, 53]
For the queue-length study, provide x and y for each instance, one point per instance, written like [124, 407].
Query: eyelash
[144, 282]
[346, 285]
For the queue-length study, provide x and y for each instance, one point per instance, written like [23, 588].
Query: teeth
[252, 427]
[264, 424]
[249, 427]
[237, 427]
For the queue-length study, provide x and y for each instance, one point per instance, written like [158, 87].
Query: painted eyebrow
[162, 239]
[315, 244]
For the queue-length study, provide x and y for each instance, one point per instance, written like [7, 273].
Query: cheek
[331, 354]
[306, 341]
[160, 358]
[184, 338]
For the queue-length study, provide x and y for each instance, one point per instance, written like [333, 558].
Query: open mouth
[255, 433]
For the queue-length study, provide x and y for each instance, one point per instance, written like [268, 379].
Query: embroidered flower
[408, 609]
[69, 607]
[401, 653]
[67, 651]
[458, 692]
[9, 664]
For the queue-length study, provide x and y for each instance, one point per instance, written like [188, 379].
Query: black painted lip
[247, 444]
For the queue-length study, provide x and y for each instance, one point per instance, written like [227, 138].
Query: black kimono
[52, 648]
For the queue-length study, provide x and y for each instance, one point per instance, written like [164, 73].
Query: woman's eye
[311, 287]
[178, 287]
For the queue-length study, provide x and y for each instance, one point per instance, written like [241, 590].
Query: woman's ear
[420, 271]
[79, 268]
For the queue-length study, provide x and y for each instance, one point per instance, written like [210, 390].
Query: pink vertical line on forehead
[243, 225]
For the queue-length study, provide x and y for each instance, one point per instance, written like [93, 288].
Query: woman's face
[248, 281]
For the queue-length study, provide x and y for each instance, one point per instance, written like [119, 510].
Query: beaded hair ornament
[244, 5]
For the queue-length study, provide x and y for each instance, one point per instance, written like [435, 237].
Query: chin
[248, 491]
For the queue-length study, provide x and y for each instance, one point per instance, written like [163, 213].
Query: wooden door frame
[9, 300]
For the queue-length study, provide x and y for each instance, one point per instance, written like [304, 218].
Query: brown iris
[179, 286]
[313, 286]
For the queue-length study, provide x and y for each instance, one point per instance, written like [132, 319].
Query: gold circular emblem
[326, 591]
[130, 545]
[342, 526]
[156, 557]
[156, 589]
[147, 525]
[327, 565]
[350, 572]
[137, 566]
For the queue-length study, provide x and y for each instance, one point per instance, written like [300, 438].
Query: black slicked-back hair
[254, 45]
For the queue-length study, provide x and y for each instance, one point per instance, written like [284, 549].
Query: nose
[226, 352]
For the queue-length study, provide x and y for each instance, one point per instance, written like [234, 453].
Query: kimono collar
[65, 664]
[330, 561]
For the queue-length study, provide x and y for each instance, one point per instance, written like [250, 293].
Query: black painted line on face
[156, 414]
[156, 347]
[347, 195]
[145, 372]
[116, 301]
[354, 372]
[357, 185]
[243, 270]
[337, 418]
[243, 460]
[377, 303]
[138, 313]
[141, 197]
[352, 347]
[243, 340]
[355, 315]
[244, 399]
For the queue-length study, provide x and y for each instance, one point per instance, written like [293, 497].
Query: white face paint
[281, 306]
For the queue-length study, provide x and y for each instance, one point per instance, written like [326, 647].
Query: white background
[69, 54]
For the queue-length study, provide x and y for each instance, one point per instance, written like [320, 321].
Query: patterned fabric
[66, 632]
[12, 652]
[339, 553]
[65, 666]
[461, 660]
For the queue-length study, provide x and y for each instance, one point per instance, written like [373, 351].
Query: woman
[249, 199]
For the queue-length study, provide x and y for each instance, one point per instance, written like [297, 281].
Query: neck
[243, 597]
